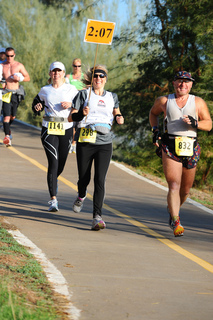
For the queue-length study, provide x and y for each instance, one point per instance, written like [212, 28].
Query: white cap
[2, 50]
[57, 65]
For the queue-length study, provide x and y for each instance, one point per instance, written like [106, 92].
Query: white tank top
[174, 115]
[100, 109]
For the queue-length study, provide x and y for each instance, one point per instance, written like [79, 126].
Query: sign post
[100, 32]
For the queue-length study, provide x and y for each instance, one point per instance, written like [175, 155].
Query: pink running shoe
[7, 141]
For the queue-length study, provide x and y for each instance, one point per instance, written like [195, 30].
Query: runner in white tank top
[94, 139]
[183, 115]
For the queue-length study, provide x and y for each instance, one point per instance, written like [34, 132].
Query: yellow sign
[99, 32]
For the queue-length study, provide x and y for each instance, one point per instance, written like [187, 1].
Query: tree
[42, 33]
[173, 36]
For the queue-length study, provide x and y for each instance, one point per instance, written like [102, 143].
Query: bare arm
[158, 107]
[204, 118]
[24, 73]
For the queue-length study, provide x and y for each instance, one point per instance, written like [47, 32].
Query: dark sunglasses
[76, 66]
[7, 55]
[99, 75]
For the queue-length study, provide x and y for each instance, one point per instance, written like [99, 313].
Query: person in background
[1, 88]
[184, 115]
[14, 72]
[2, 85]
[75, 78]
[94, 138]
[56, 134]
[2, 55]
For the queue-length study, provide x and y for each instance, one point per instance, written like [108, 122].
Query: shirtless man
[13, 72]
[183, 115]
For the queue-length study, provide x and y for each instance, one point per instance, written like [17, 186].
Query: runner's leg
[85, 155]
[188, 176]
[63, 149]
[173, 173]
[101, 163]
[50, 144]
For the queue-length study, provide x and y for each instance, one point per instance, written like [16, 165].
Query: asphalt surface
[135, 268]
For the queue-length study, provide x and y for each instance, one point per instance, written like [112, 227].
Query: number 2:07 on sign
[99, 32]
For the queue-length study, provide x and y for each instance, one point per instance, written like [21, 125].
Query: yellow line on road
[204, 264]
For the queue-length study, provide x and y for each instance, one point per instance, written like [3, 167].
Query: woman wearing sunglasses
[75, 78]
[97, 108]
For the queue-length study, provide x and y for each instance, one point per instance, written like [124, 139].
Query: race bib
[56, 128]
[7, 97]
[184, 146]
[87, 135]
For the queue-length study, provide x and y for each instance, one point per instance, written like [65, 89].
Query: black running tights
[57, 149]
[101, 154]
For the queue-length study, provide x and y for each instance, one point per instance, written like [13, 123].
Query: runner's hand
[38, 107]
[156, 136]
[66, 105]
[86, 111]
[191, 121]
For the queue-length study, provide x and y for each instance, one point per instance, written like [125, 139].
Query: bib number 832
[184, 146]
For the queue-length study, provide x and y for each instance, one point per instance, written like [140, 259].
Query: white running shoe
[53, 205]
[98, 223]
[78, 204]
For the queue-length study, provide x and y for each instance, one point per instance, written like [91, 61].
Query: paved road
[135, 269]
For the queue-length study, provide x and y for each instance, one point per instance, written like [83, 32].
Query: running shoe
[178, 229]
[53, 205]
[74, 148]
[7, 141]
[98, 223]
[78, 204]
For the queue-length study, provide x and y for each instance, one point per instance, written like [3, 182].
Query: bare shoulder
[200, 104]
[162, 100]
[160, 103]
[199, 100]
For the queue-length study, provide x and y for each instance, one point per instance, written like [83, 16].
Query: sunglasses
[99, 75]
[12, 55]
[76, 66]
[183, 80]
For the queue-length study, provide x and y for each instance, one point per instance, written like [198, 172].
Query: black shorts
[10, 109]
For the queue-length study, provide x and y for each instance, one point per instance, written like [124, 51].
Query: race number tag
[56, 128]
[184, 146]
[7, 97]
[87, 135]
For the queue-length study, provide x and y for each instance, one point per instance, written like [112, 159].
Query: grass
[25, 292]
